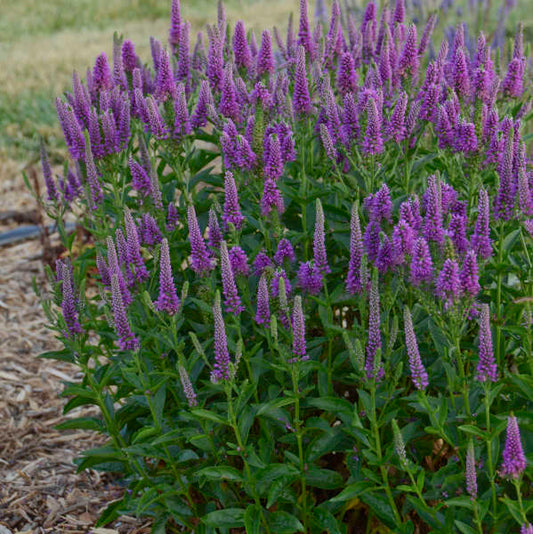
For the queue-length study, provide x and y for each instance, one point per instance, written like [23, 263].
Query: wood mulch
[40, 490]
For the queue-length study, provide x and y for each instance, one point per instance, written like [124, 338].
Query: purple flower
[183, 72]
[385, 259]
[68, 304]
[102, 79]
[155, 121]
[241, 51]
[373, 140]
[421, 263]
[221, 369]
[80, 101]
[298, 330]
[526, 528]
[273, 168]
[126, 338]
[353, 278]
[265, 60]
[215, 235]
[205, 98]
[53, 195]
[448, 284]
[372, 241]
[188, 390]
[469, 276]
[505, 200]
[399, 12]
[103, 269]
[403, 241]
[310, 278]
[271, 198]
[263, 307]
[461, 79]
[409, 59]
[114, 269]
[228, 98]
[433, 228]
[200, 260]
[232, 212]
[129, 58]
[350, 128]
[172, 217]
[140, 181]
[239, 261]
[165, 85]
[215, 59]
[134, 248]
[278, 275]
[374, 335]
[418, 371]
[261, 262]
[465, 137]
[514, 460]
[471, 479]
[480, 240]
[396, 124]
[182, 124]
[486, 367]
[284, 251]
[175, 24]
[319, 241]
[232, 301]
[149, 230]
[379, 205]
[346, 75]
[301, 101]
[304, 31]
[96, 195]
[168, 300]
[513, 84]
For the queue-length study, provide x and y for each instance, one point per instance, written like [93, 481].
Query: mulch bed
[40, 490]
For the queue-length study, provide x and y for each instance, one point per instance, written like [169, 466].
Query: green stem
[489, 448]
[499, 297]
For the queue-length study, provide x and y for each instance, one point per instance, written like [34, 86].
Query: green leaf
[64, 355]
[284, 523]
[111, 513]
[381, 507]
[220, 473]
[353, 490]
[335, 406]
[227, 518]
[525, 383]
[461, 502]
[275, 471]
[84, 423]
[513, 508]
[464, 528]
[325, 520]
[471, 429]
[323, 478]
[205, 414]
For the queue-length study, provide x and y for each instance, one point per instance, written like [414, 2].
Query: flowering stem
[499, 296]
[461, 367]
[379, 454]
[299, 436]
[489, 447]
[516, 482]
[434, 420]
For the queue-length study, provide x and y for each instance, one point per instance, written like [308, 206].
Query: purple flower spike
[262, 315]
[304, 30]
[514, 460]
[183, 72]
[379, 205]
[96, 195]
[301, 101]
[126, 338]
[278, 275]
[285, 251]
[486, 367]
[433, 228]
[175, 24]
[469, 275]
[471, 478]
[526, 528]
[241, 51]
[480, 241]
[140, 181]
[228, 98]
[182, 124]
[374, 334]
[271, 198]
[172, 217]
[129, 58]
[448, 284]
[353, 279]
[68, 304]
[265, 60]
[102, 79]
[221, 369]
[273, 168]
[409, 60]
[215, 235]
[51, 189]
[134, 248]
[346, 75]
[261, 262]
[168, 300]
[205, 99]
[373, 140]
[114, 269]
[319, 241]
[149, 230]
[396, 125]
[421, 263]
[200, 261]
[215, 59]
[399, 12]
[239, 261]
[103, 269]
[165, 86]
[310, 278]
[505, 200]
[188, 390]
[232, 212]
[513, 84]
[418, 371]
[232, 301]
[372, 241]
[298, 330]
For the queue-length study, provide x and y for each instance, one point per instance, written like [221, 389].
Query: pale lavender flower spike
[200, 260]
[353, 279]
[298, 331]
[262, 315]
[374, 334]
[319, 241]
[188, 389]
[126, 338]
[68, 304]
[471, 478]
[526, 528]
[418, 371]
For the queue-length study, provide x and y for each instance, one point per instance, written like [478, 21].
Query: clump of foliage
[305, 304]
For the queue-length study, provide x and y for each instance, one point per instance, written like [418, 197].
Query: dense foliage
[304, 299]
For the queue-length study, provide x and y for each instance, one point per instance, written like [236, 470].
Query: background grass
[43, 41]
